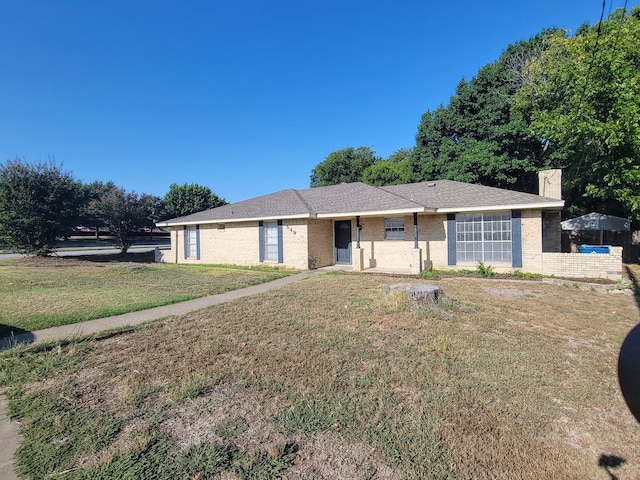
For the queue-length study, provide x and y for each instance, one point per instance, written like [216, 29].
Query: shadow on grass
[135, 257]
[11, 336]
[608, 462]
[628, 378]
[636, 284]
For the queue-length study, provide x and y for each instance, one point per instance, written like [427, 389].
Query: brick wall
[381, 253]
[321, 251]
[237, 244]
[551, 232]
[371, 234]
[169, 255]
[550, 183]
[584, 265]
[432, 232]
[295, 244]
[531, 222]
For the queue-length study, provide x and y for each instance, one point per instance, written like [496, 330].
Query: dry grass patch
[334, 378]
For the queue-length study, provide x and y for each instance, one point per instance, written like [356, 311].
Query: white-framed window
[191, 241]
[483, 237]
[271, 241]
[394, 228]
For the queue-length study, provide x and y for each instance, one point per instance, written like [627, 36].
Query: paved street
[91, 247]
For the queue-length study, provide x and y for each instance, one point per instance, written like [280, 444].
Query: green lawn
[37, 293]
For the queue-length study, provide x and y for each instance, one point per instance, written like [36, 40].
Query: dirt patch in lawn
[510, 292]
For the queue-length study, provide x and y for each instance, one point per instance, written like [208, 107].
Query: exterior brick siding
[584, 265]
[531, 241]
[321, 253]
[237, 244]
[309, 243]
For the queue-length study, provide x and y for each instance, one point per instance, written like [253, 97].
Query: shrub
[484, 271]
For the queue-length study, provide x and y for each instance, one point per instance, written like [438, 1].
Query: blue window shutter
[280, 251]
[451, 239]
[197, 242]
[516, 239]
[185, 238]
[261, 240]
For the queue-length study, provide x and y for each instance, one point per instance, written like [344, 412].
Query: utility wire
[615, 43]
[588, 78]
[593, 58]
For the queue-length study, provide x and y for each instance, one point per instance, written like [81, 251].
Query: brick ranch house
[401, 228]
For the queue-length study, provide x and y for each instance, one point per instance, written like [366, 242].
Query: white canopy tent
[597, 222]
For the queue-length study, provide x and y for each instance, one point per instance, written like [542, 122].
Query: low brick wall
[162, 256]
[584, 265]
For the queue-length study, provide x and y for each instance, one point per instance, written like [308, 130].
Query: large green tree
[39, 204]
[93, 191]
[124, 213]
[343, 166]
[478, 138]
[394, 170]
[584, 100]
[189, 198]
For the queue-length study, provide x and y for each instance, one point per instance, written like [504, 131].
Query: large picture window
[394, 228]
[483, 237]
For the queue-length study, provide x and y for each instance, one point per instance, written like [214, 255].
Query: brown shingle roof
[441, 194]
[285, 203]
[354, 197]
[359, 198]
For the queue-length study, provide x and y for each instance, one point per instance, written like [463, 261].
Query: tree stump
[420, 293]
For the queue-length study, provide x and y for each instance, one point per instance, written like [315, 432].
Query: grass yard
[335, 378]
[37, 293]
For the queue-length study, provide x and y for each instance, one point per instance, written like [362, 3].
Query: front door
[343, 241]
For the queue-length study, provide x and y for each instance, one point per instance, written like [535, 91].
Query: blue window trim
[261, 240]
[516, 238]
[451, 239]
[280, 250]
[185, 239]
[197, 242]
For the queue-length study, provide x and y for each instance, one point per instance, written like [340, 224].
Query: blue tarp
[594, 248]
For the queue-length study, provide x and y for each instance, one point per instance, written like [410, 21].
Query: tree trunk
[420, 293]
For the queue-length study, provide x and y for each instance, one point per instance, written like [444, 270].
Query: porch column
[416, 254]
[358, 258]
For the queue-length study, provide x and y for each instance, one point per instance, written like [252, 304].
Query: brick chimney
[550, 183]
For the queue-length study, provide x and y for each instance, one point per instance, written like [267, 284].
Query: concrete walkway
[9, 437]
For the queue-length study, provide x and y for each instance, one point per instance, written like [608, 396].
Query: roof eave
[496, 208]
[372, 213]
[377, 213]
[235, 220]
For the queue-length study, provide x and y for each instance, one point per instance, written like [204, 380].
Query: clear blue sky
[244, 96]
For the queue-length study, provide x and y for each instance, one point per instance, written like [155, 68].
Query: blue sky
[245, 96]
